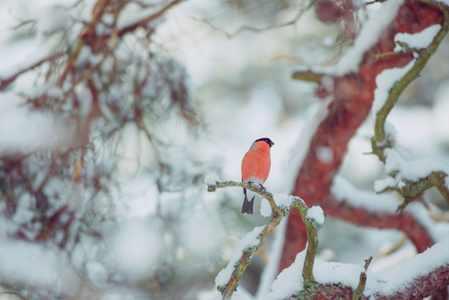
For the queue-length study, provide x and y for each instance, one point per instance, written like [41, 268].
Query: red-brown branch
[352, 99]
[145, 21]
[7, 81]
[422, 287]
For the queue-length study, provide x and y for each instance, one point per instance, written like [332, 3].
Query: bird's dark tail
[247, 207]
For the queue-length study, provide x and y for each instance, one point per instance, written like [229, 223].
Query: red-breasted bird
[255, 168]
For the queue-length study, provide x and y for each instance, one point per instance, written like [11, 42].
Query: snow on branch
[132, 20]
[389, 88]
[55, 273]
[417, 277]
[92, 70]
[368, 37]
[5, 81]
[351, 89]
[227, 280]
[378, 210]
[410, 179]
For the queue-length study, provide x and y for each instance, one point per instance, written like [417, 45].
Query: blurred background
[102, 169]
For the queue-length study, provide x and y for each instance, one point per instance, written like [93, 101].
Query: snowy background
[157, 232]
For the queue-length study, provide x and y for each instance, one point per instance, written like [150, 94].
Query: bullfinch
[255, 168]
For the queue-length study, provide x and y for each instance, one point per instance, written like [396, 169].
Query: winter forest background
[116, 117]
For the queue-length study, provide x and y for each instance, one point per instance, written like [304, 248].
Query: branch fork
[278, 213]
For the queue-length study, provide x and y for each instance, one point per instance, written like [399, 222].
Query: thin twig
[7, 81]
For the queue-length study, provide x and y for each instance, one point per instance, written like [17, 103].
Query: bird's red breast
[256, 162]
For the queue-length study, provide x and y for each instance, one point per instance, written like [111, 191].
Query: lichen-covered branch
[379, 141]
[413, 279]
[257, 188]
[278, 213]
[312, 242]
[409, 188]
[423, 56]
[352, 98]
[362, 283]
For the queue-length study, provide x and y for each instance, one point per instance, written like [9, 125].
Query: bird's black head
[266, 140]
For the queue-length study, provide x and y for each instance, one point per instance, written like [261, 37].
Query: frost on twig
[229, 277]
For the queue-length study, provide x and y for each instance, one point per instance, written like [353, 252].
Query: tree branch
[277, 215]
[412, 74]
[145, 21]
[353, 95]
[410, 188]
[4, 83]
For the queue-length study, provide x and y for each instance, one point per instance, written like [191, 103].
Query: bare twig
[144, 22]
[362, 282]
[7, 81]
[255, 29]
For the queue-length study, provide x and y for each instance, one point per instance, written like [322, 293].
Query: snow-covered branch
[364, 73]
[5, 82]
[313, 218]
[410, 179]
[416, 278]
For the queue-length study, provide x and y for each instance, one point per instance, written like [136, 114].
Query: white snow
[407, 170]
[325, 154]
[412, 170]
[133, 13]
[25, 131]
[249, 240]
[282, 200]
[399, 277]
[385, 282]
[211, 179]
[316, 213]
[390, 130]
[385, 81]
[52, 18]
[202, 237]
[137, 250]
[382, 184]
[386, 202]
[290, 280]
[368, 36]
[343, 190]
[136, 254]
[265, 208]
[35, 265]
[298, 151]
[437, 230]
[387, 78]
[418, 40]
[387, 257]
[271, 268]
[97, 273]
